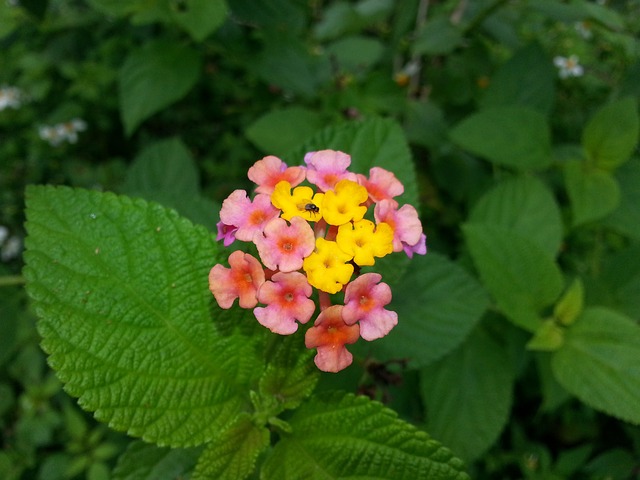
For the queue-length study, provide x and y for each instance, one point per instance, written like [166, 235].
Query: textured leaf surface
[290, 375]
[438, 304]
[593, 193]
[153, 77]
[612, 134]
[469, 390]
[349, 437]
[599, 363]
[521, 276]
[233, 453]
[143, 461]
[512, 136]
[120, 287]
[524, 205]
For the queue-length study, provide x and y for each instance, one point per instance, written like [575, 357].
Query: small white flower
[584, 29]
[10, 97]
[568, 67]
[60, 132]
[11, 249]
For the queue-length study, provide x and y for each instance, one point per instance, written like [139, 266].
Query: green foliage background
[518, 347]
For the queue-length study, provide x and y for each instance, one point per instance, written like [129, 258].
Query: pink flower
[407, 228]
[241, 281]
[266, 173]
[364, 300]
[381, 184]
[325, 168]
[284, 246]
[249, 217]
[226, 233]
[329, 335]
[287, 300]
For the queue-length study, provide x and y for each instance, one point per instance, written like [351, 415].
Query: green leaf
[527, 79]
[469, 390]
[117, 8]
[279, 131]
[153, 77]
[612, 134]
[120, 287]
[270, 15]
[199, 18]
[165, 172]
[438, 37]
[356, 53]
[290, 375]
[599, 363]
[144, 461]
[593, 193]
[521, 276]
[232, 454]
[511, 136]
[438, 303]
[548, 338]
[626, 217]
[345, 436]
[571, 304]
[287, 62]
[525, 205]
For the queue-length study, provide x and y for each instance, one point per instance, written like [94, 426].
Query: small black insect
[312, 207]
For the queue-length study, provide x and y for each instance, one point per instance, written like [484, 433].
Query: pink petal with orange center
[241, 281]
[381, 184]
[266, 173]
[329, 335]
[250, 217]
[364, 300]
[284, 246]
[407, 228]
[325, 168]
[287, 300]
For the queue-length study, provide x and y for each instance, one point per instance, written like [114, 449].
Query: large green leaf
[165, 172]
[278, 131]
[199, 18]
[469, 390]
[527, 79]
[233, 453]
[438, 304]
[120, 287]
[512, 136]
[599, 364]
[612, 134]
[439, 36]
[520, 275]
[345, 436]
[524, 205]
[593, 193]
[153, 77]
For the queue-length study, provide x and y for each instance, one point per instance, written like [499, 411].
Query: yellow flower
[363, 242]
[342, 205]
[301, 203]
[326, 268]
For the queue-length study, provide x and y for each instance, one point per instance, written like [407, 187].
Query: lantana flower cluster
[317, 237]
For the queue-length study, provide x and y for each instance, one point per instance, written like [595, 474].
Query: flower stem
[11, 280]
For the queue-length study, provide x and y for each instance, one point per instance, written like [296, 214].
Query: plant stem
[12, 280]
